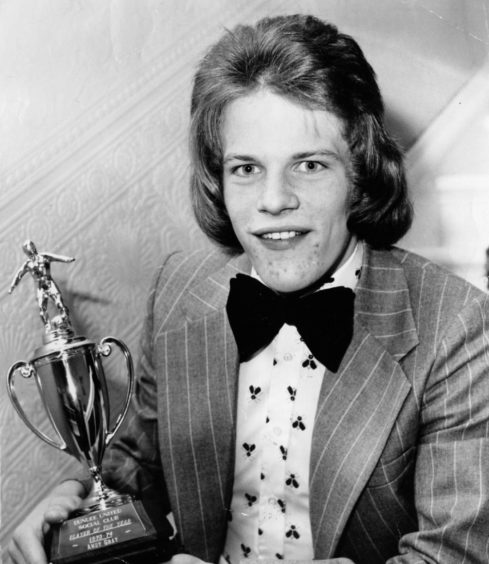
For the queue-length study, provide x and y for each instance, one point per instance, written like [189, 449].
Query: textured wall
[97, 169]
[93, 164]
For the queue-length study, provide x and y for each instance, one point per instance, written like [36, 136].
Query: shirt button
[288, 356]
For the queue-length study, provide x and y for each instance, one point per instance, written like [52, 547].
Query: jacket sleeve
[452, 472]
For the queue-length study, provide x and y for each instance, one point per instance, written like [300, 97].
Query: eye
[309, 167]
[245, 170]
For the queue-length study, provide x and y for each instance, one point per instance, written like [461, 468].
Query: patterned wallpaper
[94, 101]
[107, 185]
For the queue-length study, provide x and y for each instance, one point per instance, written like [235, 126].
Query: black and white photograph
[244, 296]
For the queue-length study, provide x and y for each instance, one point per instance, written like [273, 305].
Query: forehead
[265, 121]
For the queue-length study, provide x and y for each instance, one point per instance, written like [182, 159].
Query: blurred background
[94, 98]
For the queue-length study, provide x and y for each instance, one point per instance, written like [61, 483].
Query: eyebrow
[296, 156]
[319, 153]
[236, 157]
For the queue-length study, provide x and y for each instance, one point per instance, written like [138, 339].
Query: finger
[28, 551]
[59, 509]
[56, 514]
[46, 527]
[14, 555]
[185, 559]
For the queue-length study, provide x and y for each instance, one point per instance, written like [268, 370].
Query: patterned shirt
[277, 401]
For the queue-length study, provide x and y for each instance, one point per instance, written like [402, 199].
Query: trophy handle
[105, 350]
[27, 371]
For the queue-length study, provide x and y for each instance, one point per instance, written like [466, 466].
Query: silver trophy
[69, 374]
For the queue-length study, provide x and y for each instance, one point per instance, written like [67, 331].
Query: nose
[277, 195]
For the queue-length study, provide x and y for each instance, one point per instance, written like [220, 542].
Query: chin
[288, 285]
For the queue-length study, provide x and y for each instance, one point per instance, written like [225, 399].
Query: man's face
[286, 186]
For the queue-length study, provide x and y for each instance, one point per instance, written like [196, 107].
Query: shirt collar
[349, 272]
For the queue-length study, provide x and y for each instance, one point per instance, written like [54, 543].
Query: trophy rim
[61, 345]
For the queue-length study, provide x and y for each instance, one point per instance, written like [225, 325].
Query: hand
[27, 543]
[185, 559]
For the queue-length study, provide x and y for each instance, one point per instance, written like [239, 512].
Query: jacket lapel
[358, 406]
[198, 429]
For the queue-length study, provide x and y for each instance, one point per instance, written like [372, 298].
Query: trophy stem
[101, 497]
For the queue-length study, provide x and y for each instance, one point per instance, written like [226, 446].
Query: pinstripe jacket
[400, 455]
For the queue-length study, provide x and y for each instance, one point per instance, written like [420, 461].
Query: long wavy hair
[310, 62]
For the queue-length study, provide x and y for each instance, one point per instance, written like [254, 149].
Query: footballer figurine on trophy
[39, 266]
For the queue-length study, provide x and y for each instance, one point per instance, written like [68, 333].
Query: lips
[281, 235]
[285, 233]
[281, 239]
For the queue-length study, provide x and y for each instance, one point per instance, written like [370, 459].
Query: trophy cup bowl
[70, 379]
[69, 374]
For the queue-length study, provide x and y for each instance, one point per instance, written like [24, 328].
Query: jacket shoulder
[189, 285]
[431, 285]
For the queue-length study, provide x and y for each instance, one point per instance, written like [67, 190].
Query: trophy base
[122, 533]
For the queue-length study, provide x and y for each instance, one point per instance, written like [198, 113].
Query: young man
[321, 395]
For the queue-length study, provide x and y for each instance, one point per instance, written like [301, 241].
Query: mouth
[282, 240]
[286, 235]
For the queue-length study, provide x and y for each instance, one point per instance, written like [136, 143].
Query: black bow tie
[324, 319]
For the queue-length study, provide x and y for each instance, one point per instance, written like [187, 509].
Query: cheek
[238, 220]
[332, 234]
[240, 210]
[334, 216]
[231, 208]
